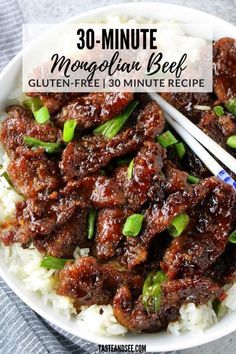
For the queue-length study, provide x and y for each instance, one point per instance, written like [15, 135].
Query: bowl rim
[189, 340]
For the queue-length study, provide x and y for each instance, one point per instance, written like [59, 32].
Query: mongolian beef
[103, 170]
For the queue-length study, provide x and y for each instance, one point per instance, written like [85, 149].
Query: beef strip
[110, 222]
[20, 123]
[147, 163]
[38, 217]
[94, 152]
[133, 315]
[64, 239]
[88, 282]
[224, 66]
[94, 109]
[95, 191]
[224, 270]
[197, 249]
[176, 180]
[158, 218]
[31, 172]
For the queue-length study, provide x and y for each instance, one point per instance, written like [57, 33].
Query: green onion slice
[180, 149]
[166, 139]
[133, 225]
[32, 103]
[219, 111]
[113, 126]
[91, 223]
[130, 169]
[231, 105]
[231, 141]
[50, 148]
[193, 179]
[151, 293]
[69, 130]
[7, 178]
[232, 237]
[179, 223]
[51, 262]
[42, 115]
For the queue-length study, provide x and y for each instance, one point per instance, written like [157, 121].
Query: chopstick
[222, 155]
[202, 153]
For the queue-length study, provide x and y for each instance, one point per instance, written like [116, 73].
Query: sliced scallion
[133, 225]
[232, 237]
[231, 141]
[7, 178]
[91, 223]
[178, 224]
[231, 105]
[113, 126]
[219, 111]
[193, 179]
[180, 149]
[166, 139]
[69, 130]
[130, 169]
[33, 103]
[151, 293]
[50, 148]
[51, 262]
[42, 115]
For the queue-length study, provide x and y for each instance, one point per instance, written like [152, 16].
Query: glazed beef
[224, 270]
[33, 172]
[94, 152]
[64, 239]
[88, 282]
[133, 315]
[157, 219]
[38, 217]
[198, 248]
[224, 57]
[95, 191]
[146, 164]
[109, 231]
[19, 123]
[94, 109]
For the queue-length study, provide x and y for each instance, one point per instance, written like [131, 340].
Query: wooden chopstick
[214, 148]
[202, 153]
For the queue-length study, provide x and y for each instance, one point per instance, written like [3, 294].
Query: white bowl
[155, 342]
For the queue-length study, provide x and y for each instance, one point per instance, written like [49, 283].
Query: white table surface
[48, 11]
